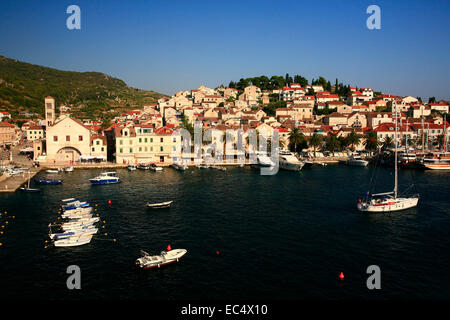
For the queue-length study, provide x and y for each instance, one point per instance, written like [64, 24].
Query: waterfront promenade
[10, 184]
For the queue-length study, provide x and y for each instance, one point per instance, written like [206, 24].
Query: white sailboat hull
[389, 205]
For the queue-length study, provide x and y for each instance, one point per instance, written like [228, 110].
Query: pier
[10, 184]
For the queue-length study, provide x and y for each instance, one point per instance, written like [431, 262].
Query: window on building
[93, 149]
[131, 150]
[120, 141]
[120, 150]
[103, 149]
[162, 148]
[80, 138]
[67, 138]
[55, 138]
[162, 140]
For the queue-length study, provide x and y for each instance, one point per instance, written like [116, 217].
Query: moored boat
[105, 178]
[288, 161]
[165, 258]
[131, 167]
[388, 201]
[48, 181]
[68, 169]
[357, 161]
[154, 167]
[73, 241]
[159, 205]
[437, 161]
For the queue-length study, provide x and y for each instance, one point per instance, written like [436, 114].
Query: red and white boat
[437, 161]
[165, 258]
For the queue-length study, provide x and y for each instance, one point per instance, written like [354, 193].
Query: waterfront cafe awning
[101, 157]
[25, 150]
[86, 157]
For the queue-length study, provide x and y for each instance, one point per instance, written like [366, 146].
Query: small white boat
[131, 167]
[159, 205]
[52, 171]
[65, 235]
[179, 166]
[165, 258]
[357, 161]
[73, 241]
[221, 168]
[154, 167]
[68, 169]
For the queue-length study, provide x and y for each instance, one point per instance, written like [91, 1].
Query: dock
[13, 183]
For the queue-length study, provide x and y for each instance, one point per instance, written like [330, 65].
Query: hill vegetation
[24, 86]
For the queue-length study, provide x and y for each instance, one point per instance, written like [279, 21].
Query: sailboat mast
[395, 157]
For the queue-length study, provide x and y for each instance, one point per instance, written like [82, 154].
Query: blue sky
[168, 46]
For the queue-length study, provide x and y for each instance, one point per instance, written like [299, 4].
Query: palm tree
[353, 139]
[315, 141]
[333, 143]
[295, 138]
[388, 142]
[371, 142]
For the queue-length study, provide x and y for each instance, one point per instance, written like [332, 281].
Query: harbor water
[248, 236]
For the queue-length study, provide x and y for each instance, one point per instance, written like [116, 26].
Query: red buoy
[109, 203]
[169, 248]
[341, 276]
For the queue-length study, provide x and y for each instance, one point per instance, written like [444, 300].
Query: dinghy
[159, 205]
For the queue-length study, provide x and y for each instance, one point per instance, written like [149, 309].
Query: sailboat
[27, 187]
[388, 201]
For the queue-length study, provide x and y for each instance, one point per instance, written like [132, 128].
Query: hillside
[24, 86]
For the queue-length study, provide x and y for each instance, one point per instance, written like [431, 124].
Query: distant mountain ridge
[23, 87]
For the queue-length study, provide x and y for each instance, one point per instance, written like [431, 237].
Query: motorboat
[221, 168]
[52, 171]
[264, 160]
[48, 181]
[166, 257]
[357, 161]
[73, 241]
[159, 205]
[105, 178]
[179, 166]
[154, 167]
[68, 169]
[64, 235]
[75, 205]
[288, 161]
[437, 161]
[202, 166]
[143, 166]
[131, 167]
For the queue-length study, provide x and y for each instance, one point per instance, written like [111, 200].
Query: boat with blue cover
[105, 178]
[48, 181]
